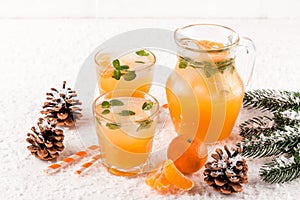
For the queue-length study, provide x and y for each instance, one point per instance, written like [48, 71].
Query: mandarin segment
[150, 180]
[175, 177]
[158, 181]
[162, 184]
[167, 179]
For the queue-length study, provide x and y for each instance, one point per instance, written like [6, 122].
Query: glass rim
[225, 48]
[95, 113]
[139, 68]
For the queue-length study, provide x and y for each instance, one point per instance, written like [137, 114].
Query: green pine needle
[274, 172]
[256, 125]
[275, 134]
[260, 141]
[263, 145]
[272, 100]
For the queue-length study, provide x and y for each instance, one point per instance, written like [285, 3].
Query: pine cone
[46, 140]
[61, 107]
[227, 172]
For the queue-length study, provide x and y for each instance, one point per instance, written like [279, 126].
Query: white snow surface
[39, 54]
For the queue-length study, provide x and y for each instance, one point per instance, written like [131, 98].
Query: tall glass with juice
[131, 71]
[205, 91]
[125, 126]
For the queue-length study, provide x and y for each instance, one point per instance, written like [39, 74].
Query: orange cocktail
[125, 126]
[205, 93]
[130, 71]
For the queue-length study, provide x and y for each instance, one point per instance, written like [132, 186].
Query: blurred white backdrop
[41, 47]
[262, 9]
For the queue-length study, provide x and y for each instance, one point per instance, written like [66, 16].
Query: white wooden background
[262, 9]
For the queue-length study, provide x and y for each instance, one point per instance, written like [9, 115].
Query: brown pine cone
[227, 172]
[61, 107]
[46, 141]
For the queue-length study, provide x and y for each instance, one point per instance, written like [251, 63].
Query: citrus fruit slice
[158, 181]
[162, 184]
[210, 45]
[175, 177]
[150, 180]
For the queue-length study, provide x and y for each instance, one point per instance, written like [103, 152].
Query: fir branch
[256, 125]
[270, 143]
[265, 136]
[278, 135]
[272, 100]
[259, 150]
[283, 119]
[282, 169]
[267, 125]
[296, 153]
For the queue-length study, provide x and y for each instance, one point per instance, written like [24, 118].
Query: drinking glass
[125, 124]
[132, 70]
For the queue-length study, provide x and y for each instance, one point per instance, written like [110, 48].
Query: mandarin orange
[188, 154]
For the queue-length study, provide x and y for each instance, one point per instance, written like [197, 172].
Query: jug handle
[248, 45]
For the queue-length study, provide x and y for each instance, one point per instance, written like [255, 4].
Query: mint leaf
[226, 64]
[116, 64]
[98, 120]
[144, 124]
[129, 76]
[105, 112]
[142, 53]
[117, 74]
[147, 105]
[105, 104]
[113, 126]
[116, 102]
[182, 63]
[126, 113]
[222, 69]
[124, 67]
[209, 70]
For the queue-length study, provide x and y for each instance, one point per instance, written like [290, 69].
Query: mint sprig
[122, 70]
[209, 68]
[108, 104]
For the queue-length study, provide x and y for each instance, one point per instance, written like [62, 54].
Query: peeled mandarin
[175, 177]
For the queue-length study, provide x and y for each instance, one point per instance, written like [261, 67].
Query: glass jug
[205, 91]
